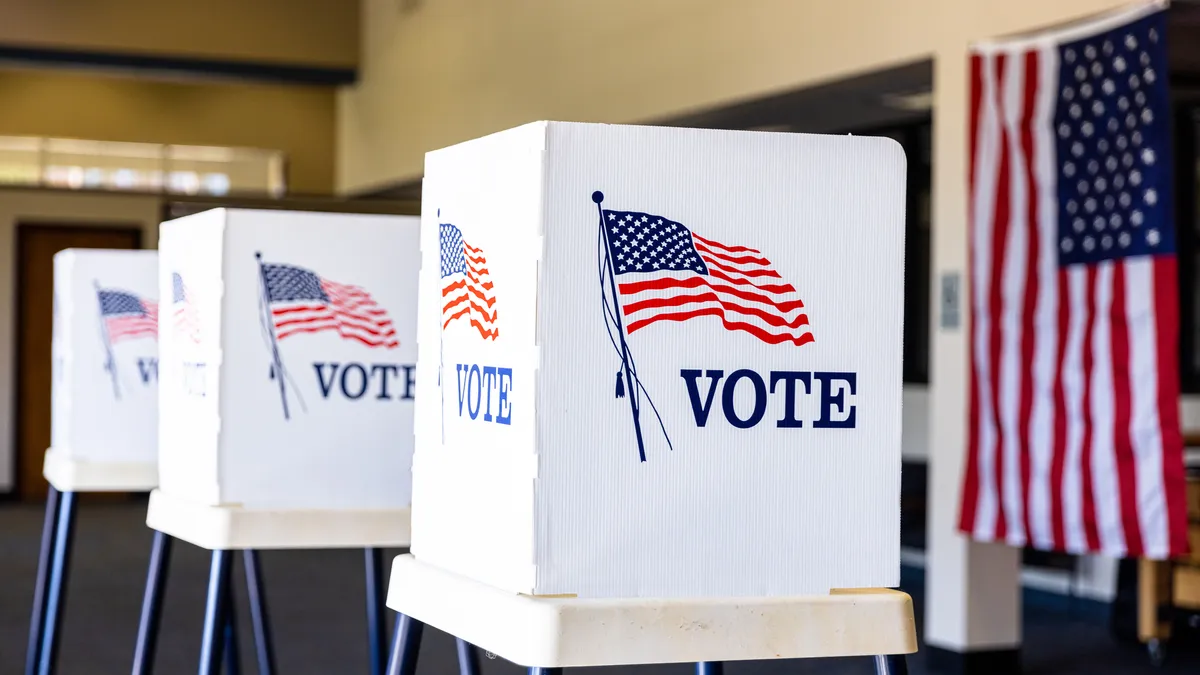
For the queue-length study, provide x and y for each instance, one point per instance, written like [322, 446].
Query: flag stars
[1150, 197]
[1153, 237]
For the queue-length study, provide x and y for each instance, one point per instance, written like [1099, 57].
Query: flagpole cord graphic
[265, 298]
[110, 363]
[612, 315]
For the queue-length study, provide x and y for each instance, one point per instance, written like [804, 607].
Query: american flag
[187, 322]
[467, 289]
[669, 273]
[126, 316]
[1074, 441]
[302, 302]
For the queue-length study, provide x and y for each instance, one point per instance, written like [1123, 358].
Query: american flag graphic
[186, 320]
[126, 316]
[467, 289]
[1074, 440]
[669, 273]
[302, 302]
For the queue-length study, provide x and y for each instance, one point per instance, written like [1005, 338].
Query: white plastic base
[569, 632]
[231, 527]
[71, 475]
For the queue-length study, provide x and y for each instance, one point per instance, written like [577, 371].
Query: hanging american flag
[302, 302]
[667, 272]
[467, 289]
[1074, 441]
[126, 316]
[186, 321]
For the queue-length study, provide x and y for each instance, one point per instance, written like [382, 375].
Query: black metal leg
[468, 657]
[37, 620]
[545, 671]
[156, 581]
[60, 561]
[263, 649]
[212, 643]
[405, 646]
[894, 664]
[233, 656]
[710, 668]
[376, 611]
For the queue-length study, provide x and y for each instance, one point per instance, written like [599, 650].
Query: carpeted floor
[316, 606]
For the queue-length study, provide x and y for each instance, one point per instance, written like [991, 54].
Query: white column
[973, 601]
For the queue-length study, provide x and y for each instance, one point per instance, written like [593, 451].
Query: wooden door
[36, 246]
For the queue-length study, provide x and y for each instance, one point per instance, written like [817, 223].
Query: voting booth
[661, 362]
[658, 399]
[288, 363]
[104, 389]
[103, 410]
[288, 371]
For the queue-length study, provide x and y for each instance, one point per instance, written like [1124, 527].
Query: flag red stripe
[1122, 416]
[732, 249]
[740, 260]
[769, 288]
[770, 338]
[1090, 527]
[1032, 283]
[669, 283]
[970, 498]
[999, 250]
[1058, 457]
[746, 273]
[681, 300]
[1166, 313]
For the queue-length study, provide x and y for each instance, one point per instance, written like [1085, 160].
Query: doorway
[36, 246]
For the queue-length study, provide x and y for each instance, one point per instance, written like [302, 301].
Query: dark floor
[316, 603]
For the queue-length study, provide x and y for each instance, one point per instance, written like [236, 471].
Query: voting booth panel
[289, 363]
[661, 362]
[104, 388]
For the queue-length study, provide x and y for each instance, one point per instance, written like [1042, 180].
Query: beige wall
[297, 120]
[297, 32]
[31, 206]
[456, 69]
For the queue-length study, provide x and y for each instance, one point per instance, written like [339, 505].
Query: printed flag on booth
[1074, 441]
[301, 301]
[127, 316]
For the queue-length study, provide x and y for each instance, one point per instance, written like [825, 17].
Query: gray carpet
[316, 604]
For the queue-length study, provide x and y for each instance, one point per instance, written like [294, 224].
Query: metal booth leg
[60, 560]
[376, 611]
[405, 646]
[156, 581]
[263, 648]
[468, 657]
[545, 671]
[894, 664]
[213, 642]
[710, 668]
[233, 656]
[37, 620]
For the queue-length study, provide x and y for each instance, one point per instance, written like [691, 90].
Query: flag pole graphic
[598, 197]
[277, 368]
[110, 363]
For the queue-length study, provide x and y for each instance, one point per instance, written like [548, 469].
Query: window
[140, 167]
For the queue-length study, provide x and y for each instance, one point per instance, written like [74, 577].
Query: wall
[297, 120]
[294, 32]
[51, 206]
[456, 69]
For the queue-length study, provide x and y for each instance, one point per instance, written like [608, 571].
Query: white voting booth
[660, 382]
[288, 358]
[104, 390]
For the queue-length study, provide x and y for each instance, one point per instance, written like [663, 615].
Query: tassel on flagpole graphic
[620, 386]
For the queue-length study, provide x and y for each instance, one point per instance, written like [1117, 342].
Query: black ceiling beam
[171, 65]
